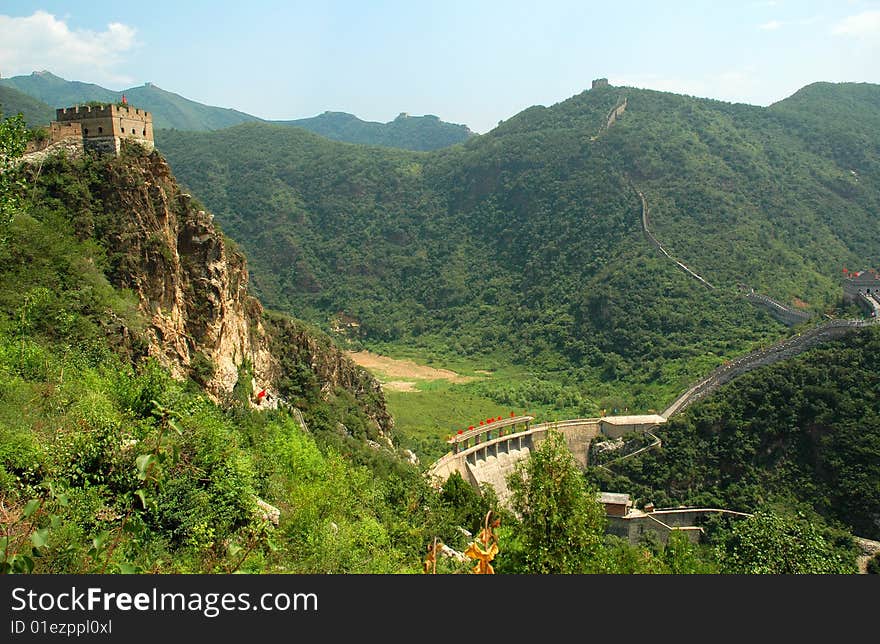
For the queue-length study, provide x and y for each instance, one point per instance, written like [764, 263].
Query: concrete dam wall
[488, 456]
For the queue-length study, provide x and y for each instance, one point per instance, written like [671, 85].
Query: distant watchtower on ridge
[600, 82]
[104, 127]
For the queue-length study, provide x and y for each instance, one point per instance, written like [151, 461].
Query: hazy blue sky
[467, 62]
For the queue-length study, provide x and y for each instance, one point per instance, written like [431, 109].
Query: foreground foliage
[557, 526]
[561, 522]
[770, 544]
[107, 464]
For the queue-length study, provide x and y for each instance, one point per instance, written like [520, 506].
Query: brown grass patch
[400, 385]
[403, 369]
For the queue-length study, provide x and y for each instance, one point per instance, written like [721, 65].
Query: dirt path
[401, 373]
[400, 385]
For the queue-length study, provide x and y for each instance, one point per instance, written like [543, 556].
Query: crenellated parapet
[79, 112]
[104, 127]
[785, 314]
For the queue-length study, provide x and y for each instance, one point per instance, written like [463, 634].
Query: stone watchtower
[856, 283]
[104, 127]
[600, 82]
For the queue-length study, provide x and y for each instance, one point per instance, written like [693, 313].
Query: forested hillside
[116, 457]
[802, 434]
[763, 196]
[109, 464]
[35, 112]
[525, 244]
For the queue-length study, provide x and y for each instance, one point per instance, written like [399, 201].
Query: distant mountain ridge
[169, 110]
[172, 111]
[409, 132]
[54, 90]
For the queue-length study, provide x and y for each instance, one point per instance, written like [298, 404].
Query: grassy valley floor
[430, 402]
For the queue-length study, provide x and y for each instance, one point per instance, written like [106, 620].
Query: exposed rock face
[192, 285]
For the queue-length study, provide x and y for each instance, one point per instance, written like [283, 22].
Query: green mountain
[833, 105]
[169, 110]
[34, 111]
[408, 132]
[525, 244]
[173, 110]
[58, 92]
[760, 195]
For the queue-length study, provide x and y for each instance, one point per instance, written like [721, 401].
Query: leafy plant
[561, 524]
[485, 547]
[768, 543]
[13, 140]
[26, 531]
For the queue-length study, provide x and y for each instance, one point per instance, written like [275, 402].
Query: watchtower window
[100, 130]
[85, 130]
[123, 130]
[145, 132]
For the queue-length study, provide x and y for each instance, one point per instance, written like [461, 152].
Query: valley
[622, 257]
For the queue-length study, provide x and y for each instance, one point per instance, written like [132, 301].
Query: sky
[472, 62]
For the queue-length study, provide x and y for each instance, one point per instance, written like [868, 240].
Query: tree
[561, 523]
[681, 557]
[769, 543]
[464, 506]
[13, 139]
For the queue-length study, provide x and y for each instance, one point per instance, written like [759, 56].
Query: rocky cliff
[190, 282]
[192, 286]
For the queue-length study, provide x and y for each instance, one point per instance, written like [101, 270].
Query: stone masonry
[104, 127]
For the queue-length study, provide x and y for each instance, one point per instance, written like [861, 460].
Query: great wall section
[647, 230]
[487, 455]
[782, 350]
